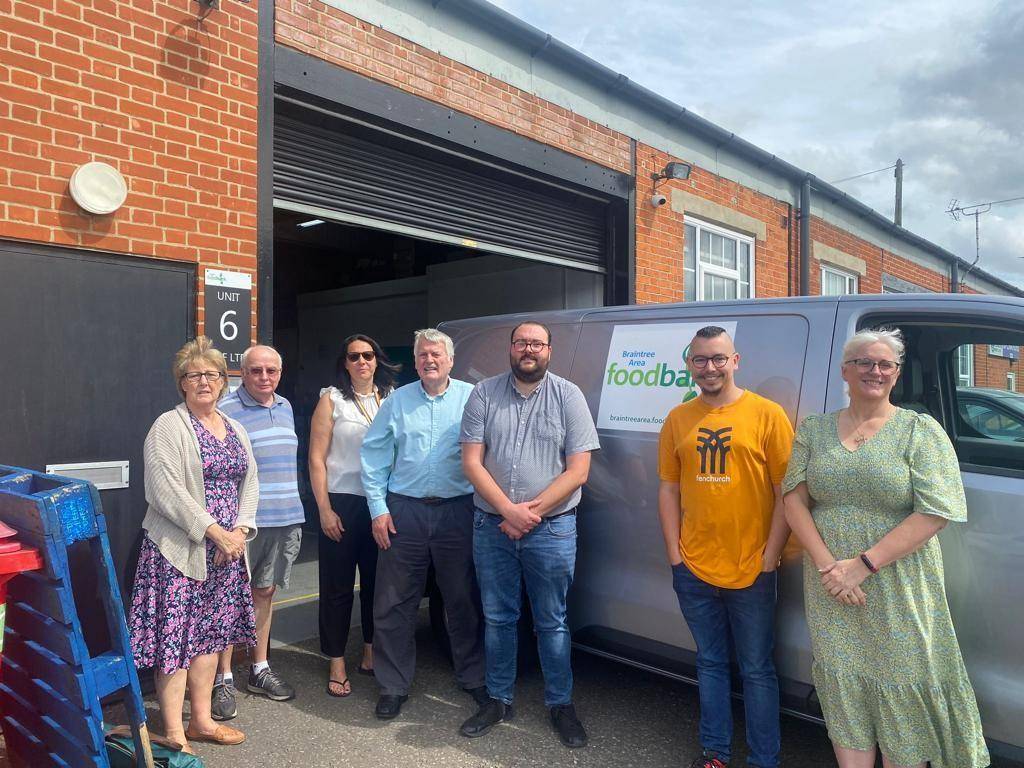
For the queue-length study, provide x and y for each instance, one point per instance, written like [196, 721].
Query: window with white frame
[1011, 381]
[965, 365]
[717, 263]
[837, 282]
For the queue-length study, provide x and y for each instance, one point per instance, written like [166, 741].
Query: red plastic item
[14, 559]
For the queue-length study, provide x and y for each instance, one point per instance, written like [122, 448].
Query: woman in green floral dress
[867, 490]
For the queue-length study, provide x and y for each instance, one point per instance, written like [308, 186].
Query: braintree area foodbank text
[637, 374]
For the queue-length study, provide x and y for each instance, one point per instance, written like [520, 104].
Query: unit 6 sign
[228, 309]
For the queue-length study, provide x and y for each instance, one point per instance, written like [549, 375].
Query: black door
[88, 345]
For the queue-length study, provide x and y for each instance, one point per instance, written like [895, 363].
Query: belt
[548, 517]
[431, 501]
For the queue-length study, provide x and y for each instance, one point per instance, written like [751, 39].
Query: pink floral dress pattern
[174, 618]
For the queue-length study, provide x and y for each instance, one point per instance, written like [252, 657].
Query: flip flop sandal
[341, 683]
[364, 671]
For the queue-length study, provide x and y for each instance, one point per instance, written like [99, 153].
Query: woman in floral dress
[191, 597]
[867, 490]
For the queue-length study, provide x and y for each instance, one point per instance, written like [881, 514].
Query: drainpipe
[805, 237]
[631, 228]
[954, 276]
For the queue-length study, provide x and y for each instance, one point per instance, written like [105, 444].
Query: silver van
[629, 362]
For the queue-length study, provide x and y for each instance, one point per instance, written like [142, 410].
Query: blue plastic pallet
[51, 687]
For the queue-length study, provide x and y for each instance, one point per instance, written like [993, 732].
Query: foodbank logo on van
[644, 375]
[641, 368]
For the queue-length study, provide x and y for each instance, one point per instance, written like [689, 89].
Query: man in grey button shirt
[526, 442]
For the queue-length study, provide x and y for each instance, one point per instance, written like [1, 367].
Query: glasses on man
[195, 376]
[701, 361]
[271, 372]
[866, 365]
[521, 345]
[353, 357]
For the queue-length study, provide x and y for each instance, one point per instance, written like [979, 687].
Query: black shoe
[389, 706]
[488, 716]
[222, 706]
[268, 683]
[479, 694]
[568, 727]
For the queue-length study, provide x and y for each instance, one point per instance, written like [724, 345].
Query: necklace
[362, 408]
[859, 438]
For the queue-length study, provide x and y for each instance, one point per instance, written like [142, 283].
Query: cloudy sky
[840, 89]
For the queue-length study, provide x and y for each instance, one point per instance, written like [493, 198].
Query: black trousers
[338, 563]
[441, 533]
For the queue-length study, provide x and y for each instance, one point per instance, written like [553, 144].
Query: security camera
[658, 200]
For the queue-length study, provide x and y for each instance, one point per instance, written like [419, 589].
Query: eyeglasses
[521, 345]
[195, 376]
[271, 372]
[866, 365]
[353, 357]
[700, 361]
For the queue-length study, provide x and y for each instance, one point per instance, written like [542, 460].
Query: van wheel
[527, 659]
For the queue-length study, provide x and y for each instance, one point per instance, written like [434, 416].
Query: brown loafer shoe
[225, 735]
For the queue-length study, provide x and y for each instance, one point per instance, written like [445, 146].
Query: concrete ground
[634, 718]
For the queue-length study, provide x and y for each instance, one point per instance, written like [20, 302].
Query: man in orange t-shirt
[721, 460]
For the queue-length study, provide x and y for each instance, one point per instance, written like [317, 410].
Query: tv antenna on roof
[958, 211]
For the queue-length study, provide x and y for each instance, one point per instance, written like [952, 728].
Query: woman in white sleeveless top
[364, 377]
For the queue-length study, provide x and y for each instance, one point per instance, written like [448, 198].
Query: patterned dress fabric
[174, 618]
[889, 673]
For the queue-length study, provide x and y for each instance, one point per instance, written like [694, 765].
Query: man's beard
[529, 377]
[714, 385]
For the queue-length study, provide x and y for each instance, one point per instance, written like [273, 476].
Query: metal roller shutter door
[379, 185]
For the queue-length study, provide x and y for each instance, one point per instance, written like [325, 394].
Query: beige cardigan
[176, 520]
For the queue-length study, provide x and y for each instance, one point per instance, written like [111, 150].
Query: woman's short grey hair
[434, 336]
[891, 337]
[200, 350]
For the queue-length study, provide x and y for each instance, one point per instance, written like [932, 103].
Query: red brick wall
[141, 85]
[660, 235]
[826, 234]
[878, 261]
[914, 273]
[991, 370]
[319, 30]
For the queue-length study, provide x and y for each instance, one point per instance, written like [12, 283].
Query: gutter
[542, 44]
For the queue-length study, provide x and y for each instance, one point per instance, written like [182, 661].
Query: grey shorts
[271, 555]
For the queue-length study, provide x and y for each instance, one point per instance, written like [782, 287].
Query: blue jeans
[546, 559]
[748, 617]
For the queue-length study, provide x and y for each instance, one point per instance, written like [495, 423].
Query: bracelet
[867, 563]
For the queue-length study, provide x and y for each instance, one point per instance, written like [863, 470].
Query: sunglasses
[353, 357]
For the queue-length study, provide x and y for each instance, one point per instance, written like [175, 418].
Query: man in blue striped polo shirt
[270, 423]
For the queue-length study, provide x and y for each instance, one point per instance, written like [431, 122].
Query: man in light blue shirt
[422, 510]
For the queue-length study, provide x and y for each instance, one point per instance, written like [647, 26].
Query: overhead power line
[862, 175]
[966, 208]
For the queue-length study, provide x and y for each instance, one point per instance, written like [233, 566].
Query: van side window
[988, 414]
[966, 377]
